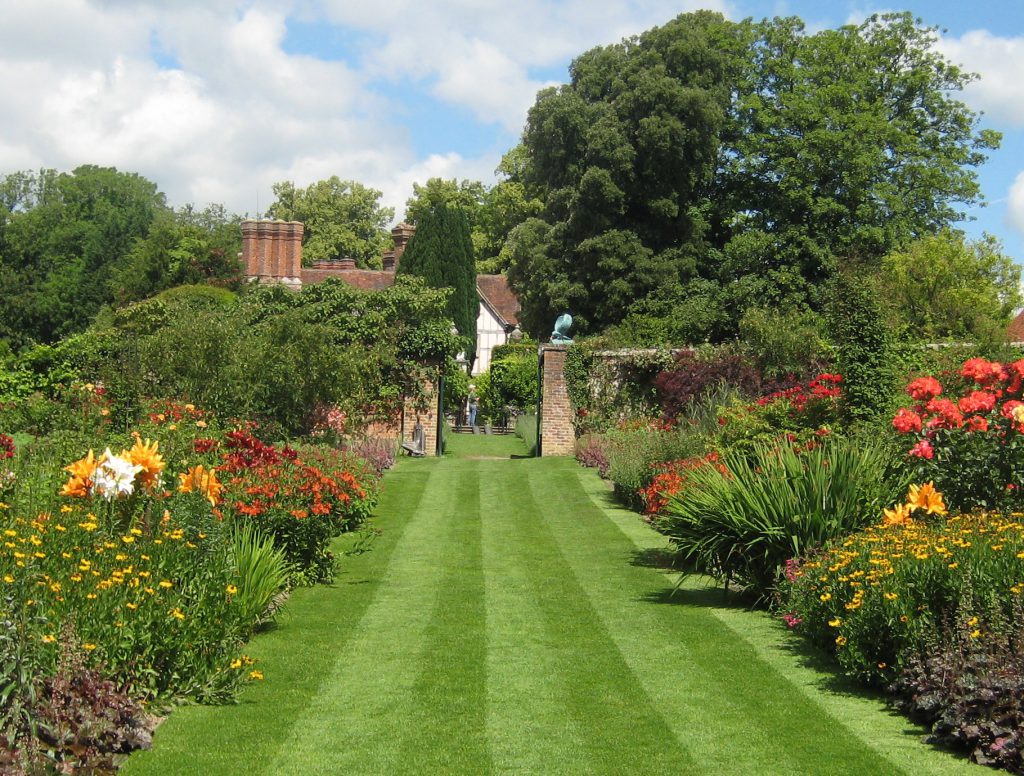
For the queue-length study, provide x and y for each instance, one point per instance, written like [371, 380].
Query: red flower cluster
[672, 478]
[974, 410]
[265, 479]
[6, 446]
[202, 446]
[824, 386]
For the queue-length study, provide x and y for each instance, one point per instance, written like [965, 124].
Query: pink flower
[922, 449]
[791, 620]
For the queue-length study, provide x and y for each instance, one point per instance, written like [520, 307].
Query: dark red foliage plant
[691, 376]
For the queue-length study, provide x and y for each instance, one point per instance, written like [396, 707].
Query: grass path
[506, 621]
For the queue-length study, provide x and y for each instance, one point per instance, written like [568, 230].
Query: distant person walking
[472, 405]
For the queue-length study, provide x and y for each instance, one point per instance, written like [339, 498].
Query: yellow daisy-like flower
[232, 589]
[257, 675]
[177, 614]
[49, 639]
[840, 641]
[835, 623]
[165, 583]
[88, 647]
[825, 597]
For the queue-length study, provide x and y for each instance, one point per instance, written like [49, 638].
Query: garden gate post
[555, 435]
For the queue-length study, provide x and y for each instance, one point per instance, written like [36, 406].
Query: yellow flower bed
[892, 588]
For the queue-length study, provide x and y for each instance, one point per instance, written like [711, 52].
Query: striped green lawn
[505, 621]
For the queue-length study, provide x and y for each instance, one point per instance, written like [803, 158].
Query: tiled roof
[497, 293]
[366, 279]
[1015, 331]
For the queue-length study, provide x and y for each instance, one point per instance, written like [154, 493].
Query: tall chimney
[401, 235]
[272, 251]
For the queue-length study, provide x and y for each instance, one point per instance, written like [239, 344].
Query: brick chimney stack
[272, 251]
[401, 235]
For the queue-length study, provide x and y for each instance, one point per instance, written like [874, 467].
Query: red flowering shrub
[6, 447]
[800, 411]
[303, 504]
[672, 478]
[968, 439]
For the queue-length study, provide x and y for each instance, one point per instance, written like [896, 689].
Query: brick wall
[556, 429]
[426, 413]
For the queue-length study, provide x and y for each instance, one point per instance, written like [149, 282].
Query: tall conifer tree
[441, 252]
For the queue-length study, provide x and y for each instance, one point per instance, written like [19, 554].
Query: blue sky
[216, 100]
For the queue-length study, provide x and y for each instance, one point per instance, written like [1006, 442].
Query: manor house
[272, 253]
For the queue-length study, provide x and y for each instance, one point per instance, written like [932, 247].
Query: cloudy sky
[215, 100]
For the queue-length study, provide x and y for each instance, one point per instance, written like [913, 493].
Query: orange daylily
[146, 454]
[927, 498]
[202, 480]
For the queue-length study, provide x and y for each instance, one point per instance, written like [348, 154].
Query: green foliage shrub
[526, 429]
[863, 346]
[774, 504]
[513, 384]
[785, 343]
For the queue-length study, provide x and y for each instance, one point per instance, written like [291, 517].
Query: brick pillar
[425, 412]
[556, 430]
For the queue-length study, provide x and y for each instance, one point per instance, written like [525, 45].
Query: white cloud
[1015, 204]
[478, 54]
[999, 92]
[237, 112]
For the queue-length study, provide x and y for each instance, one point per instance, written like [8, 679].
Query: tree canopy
[945, 287]
[741, 163]
[441, 252]
[63, 239]
[343, 219]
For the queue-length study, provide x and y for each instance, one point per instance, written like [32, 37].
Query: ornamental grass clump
[742, 524]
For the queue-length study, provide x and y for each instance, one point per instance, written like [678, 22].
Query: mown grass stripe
[615, 728]
[363, 707]
[861, 713]
[739, 697]
[296, 657]
[444, 729]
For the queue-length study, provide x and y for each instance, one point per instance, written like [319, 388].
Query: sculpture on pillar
[560, 336]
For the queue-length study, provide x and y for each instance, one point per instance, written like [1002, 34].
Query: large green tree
[187, 246]
[623, 156]
[441, 252]
[491, 212]
[841, 145]
[946, 287]
[343, 219]
[751, 156]
[63, 237]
